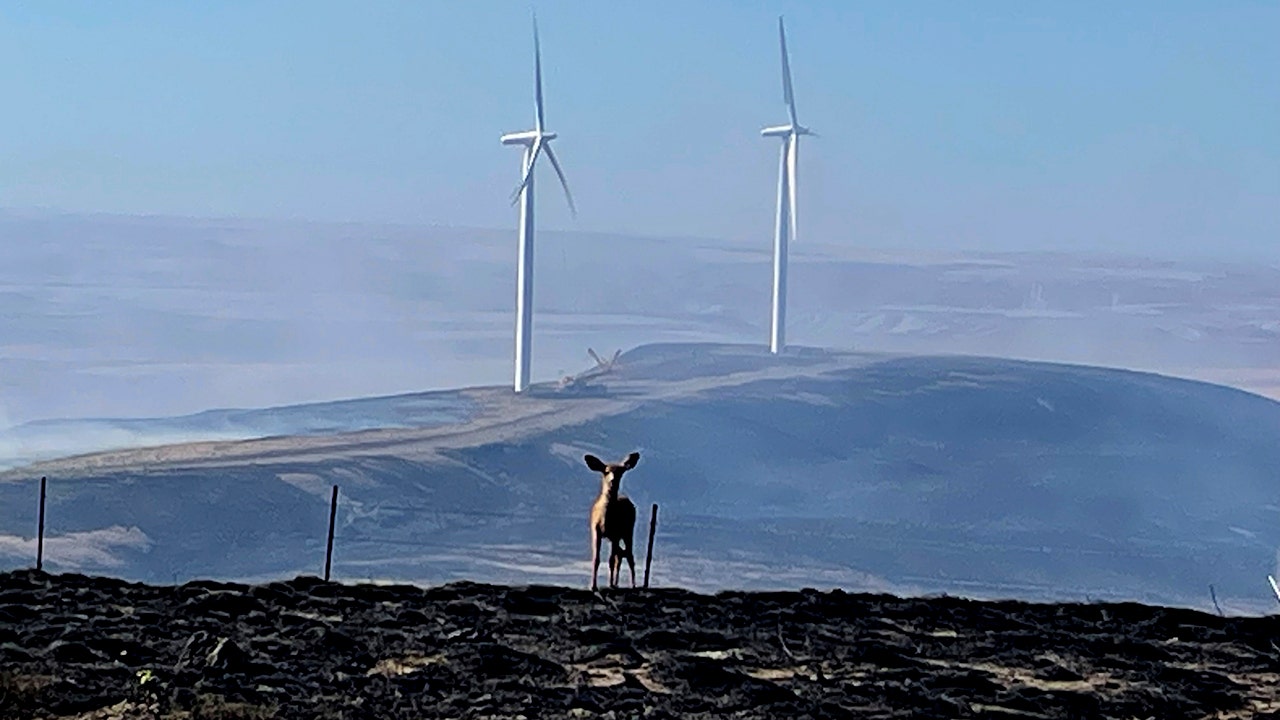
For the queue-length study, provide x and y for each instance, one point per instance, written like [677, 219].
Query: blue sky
[1143, 127]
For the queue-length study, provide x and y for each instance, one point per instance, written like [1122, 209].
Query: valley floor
[84, 647]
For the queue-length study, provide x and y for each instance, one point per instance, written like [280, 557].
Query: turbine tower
[786, 225]
[535, 142]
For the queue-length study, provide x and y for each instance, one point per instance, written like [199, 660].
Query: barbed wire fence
[339, 536]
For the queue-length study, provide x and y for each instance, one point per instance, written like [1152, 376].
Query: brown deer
[613, 516]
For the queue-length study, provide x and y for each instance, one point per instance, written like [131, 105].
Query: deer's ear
[595, 463]
[631, 460]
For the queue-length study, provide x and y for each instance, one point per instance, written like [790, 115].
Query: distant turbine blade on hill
[555, 164]
[793, 152]
[537, 78]
[534, 153]
[788, 95]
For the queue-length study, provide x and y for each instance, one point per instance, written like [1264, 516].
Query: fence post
[328, 551]
[648, 555]
[40, 527]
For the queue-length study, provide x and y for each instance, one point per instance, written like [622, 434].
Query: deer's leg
[613, 564]
[595, 557]
[617, 570]
[631, 562]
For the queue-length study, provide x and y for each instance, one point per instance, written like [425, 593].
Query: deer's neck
[609, 491]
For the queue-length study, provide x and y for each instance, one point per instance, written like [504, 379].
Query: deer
[613, 517]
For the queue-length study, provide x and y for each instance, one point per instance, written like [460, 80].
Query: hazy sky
[1143, 126]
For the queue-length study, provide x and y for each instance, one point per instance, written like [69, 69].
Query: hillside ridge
[982, 476]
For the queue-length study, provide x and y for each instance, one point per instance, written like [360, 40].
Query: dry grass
[216, 707]
[391, 667]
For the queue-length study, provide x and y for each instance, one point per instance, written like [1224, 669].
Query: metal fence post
[648, 556]
[40, 526]
[328, 552]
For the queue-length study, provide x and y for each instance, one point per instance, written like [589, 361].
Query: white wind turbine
[535, 142]
[786, 227]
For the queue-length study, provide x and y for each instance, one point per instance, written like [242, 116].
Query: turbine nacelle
[528, 137]
[786, 131]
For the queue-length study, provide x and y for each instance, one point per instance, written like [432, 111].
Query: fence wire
[356, 538]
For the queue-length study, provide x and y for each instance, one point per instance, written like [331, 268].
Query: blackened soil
[75, 646]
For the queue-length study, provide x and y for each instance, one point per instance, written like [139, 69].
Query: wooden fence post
[40, 527]
[648, 555]
[328, 551]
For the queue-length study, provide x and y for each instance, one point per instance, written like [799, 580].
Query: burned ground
[77, 646]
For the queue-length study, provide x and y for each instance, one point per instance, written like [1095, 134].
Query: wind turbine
[535, 142]
[786, 225]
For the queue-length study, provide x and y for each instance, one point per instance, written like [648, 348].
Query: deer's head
[611, 475]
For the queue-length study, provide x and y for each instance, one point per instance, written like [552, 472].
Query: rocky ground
[85, 647]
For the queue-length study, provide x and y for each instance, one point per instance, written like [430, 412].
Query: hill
[965, 475]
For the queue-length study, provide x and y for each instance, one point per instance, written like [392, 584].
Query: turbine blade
[788, 96]
[537, 76]
[594, 356]
[792, 153]
[528, 173]
[563, 183]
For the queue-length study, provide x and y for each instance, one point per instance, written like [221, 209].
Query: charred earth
[88, 647]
